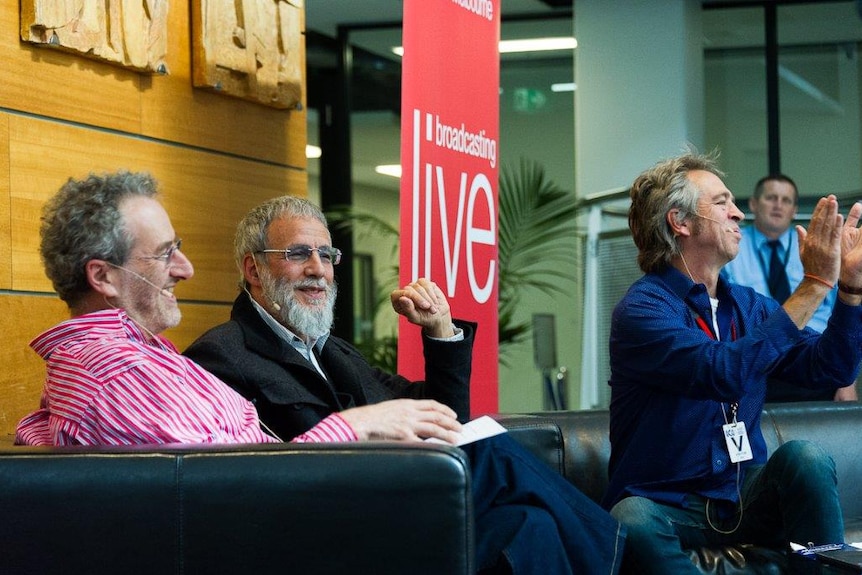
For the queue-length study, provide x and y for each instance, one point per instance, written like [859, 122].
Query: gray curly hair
[83, 222]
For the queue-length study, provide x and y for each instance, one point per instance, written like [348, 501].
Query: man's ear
[752, 205]
[678, 227]
[249, 270]
[102, 277]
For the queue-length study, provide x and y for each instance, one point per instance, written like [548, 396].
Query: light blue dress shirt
[751, 268]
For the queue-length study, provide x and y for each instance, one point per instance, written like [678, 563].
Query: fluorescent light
[393, 170]
[312, 151]
[528, 45]
[563, 87]
[537, 45]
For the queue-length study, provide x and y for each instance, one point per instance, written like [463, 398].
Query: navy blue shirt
[672, 382]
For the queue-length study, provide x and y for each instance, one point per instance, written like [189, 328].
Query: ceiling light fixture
[537, 45]
[393, 170]
[527, 45]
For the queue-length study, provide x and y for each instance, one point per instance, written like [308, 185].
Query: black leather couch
[576, 444]
[382, 508]
[255, 509]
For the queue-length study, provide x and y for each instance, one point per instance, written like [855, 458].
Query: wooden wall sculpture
[129, 33]
[249, 49]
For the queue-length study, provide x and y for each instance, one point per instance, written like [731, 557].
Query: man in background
[768, 261]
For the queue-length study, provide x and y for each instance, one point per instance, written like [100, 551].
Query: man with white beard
[277, 349]
[277, 352]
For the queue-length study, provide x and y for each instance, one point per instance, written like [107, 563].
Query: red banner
[449, 151]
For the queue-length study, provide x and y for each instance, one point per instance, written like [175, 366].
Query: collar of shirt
[95, 325]
[292, 339]
[760, 240]
[696, 296]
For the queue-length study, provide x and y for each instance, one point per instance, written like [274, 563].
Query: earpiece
[273, 303]
[731, 230]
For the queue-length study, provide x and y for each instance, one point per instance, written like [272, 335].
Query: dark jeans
[532, 520]
[792, 498]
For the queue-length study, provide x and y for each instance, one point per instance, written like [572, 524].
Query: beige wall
[64, 116]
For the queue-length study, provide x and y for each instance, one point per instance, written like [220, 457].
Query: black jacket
[290, 395]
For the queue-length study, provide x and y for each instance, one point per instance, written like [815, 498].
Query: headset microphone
[162, 290]
[731, 230]
[272, 302]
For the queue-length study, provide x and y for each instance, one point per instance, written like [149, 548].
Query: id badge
[737, 441]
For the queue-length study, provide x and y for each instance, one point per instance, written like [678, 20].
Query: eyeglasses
[300, 254]
[167, 255]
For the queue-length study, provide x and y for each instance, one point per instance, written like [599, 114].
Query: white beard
[303, 320]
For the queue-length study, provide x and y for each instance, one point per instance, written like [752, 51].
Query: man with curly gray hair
[112, 255]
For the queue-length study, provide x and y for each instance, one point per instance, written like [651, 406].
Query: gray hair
[252, 229]
[83, 222]
[654, 193]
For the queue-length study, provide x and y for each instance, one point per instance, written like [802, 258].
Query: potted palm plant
[536, 231]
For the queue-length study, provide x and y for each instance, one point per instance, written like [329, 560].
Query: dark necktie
[779, 286]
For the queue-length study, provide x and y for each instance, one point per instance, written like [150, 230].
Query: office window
[735, 94]
[819, 96]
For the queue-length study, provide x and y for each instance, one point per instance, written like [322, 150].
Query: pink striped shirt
[108, 385]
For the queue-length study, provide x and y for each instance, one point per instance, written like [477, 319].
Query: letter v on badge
[737, 441]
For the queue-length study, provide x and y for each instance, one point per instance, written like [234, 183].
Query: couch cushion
[837, 427]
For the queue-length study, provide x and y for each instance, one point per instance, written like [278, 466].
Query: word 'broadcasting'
[461, 140]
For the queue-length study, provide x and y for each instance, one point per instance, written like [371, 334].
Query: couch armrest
[575, 443]
[371, 507]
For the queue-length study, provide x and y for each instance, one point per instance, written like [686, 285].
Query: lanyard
[701, 323]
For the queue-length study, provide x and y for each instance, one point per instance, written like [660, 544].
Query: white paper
[480, 428]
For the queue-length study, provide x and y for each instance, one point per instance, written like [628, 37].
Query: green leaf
[537, 241]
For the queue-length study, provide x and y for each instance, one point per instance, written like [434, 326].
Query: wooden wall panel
[22, 376]
[205, 195]
[197, 318]
[55, 84]
[47, 82]
[173, 110]
[5, 230]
